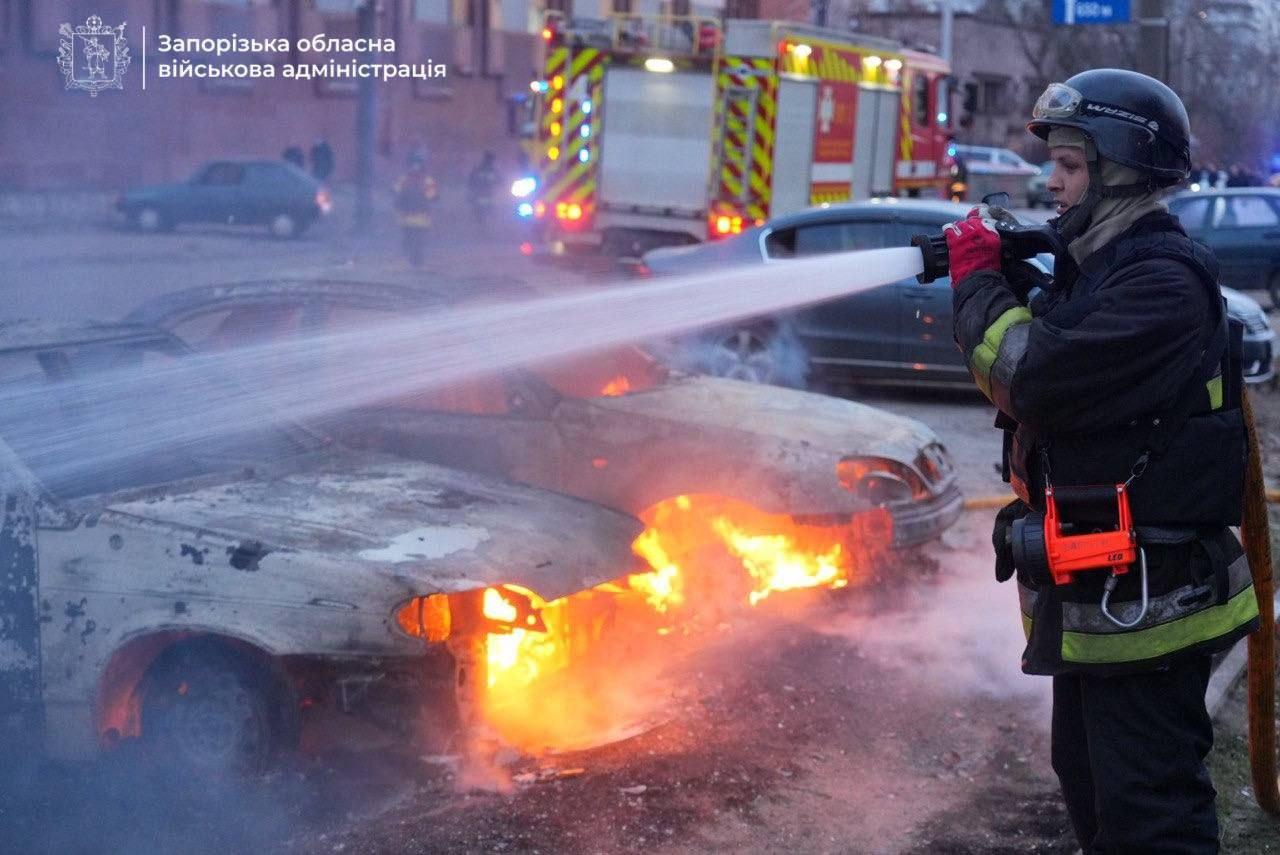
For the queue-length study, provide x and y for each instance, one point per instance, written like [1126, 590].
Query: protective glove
[1023, 277]
[972, 244]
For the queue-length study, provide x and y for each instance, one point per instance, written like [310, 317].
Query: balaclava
[1094, 221]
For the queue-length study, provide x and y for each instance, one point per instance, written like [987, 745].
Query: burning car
[173, 569]
[616, 428]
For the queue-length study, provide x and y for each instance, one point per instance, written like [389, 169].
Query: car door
[1246, 239]
[927, 345]
[858, 332]
[213, 197]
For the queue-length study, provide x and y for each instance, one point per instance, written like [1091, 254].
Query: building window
[742, 8]
[432, 11]
[563, 6]
[992, 93]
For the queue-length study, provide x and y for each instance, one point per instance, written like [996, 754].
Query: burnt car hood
[436, 528]
[788, 415]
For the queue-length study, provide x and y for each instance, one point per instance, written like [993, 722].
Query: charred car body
[617, 428]
[202, 595]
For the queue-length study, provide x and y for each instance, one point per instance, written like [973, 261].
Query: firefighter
[1118, 370]
[415, 194]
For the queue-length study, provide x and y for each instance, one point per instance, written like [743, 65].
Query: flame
[776, 564]
[709, 556]
[619, 385]
[663, 588]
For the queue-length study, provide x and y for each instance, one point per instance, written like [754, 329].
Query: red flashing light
[547, 34]
[723, 225]
[526, 248]
[539, 209]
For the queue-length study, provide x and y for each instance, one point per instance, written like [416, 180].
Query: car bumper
[922, 521]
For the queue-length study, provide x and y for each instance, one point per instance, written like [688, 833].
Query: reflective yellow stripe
[984, 355]
[1026, 627]
[1215, 392]
[1087, 648]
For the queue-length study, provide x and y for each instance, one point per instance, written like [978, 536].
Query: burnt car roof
[20, 335]
[350, 292]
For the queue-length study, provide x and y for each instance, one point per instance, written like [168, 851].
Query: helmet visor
[1059, 101]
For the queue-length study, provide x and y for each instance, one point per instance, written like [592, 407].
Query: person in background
[480, 185]
[415, 195]
[321, 159]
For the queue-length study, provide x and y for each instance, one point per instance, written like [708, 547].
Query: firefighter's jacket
[1129, 353]
[415, 194]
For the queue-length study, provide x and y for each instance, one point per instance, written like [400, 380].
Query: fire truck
[660, 131]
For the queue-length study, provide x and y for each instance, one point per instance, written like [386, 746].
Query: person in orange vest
[415, 193]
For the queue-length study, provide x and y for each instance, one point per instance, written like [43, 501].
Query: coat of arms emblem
[94, 56]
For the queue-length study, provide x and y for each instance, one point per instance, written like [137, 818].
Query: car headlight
[428, 618]
[522, 188]
[881, 481]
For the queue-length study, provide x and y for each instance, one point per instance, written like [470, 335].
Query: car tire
[206, 710]
[1273, 289]
[743, 354]
[151, 219]
[284, 226]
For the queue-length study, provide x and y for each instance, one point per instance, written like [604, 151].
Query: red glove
[972, 244]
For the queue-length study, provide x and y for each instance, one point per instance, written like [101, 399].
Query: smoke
[758, 352]
[960, 630]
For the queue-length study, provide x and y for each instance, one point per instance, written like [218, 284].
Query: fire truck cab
[673, 130]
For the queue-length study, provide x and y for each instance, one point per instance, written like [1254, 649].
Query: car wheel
[1273, 288]
[206, 710]
[744, 354]
[284, 226]
[150, 219]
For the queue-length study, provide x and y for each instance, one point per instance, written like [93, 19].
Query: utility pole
[1153, 39]
[945, 39]
[366, 119]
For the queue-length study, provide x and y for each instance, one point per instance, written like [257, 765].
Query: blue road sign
[1091, 11]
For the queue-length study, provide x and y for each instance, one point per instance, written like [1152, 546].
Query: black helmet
[1133, 119]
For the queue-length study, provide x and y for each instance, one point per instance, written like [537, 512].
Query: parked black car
[1242, 227]
[897, 334]
[256, 192]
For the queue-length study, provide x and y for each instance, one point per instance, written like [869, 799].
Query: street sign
[1091, 11]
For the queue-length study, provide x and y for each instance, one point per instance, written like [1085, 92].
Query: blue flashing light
[524, 209]
[585, 132]
[586, 107]
[584, 155]
[942, 118]
[951, 150]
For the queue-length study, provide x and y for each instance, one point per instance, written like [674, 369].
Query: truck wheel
[743, 355]
[205, 710]
[284, 226]
[151, 219]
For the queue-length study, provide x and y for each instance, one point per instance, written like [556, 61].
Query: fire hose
[1256, 535]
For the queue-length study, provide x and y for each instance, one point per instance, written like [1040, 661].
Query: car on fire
[272, 193]
[617, 427]
[207, 596]
[897, 334]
